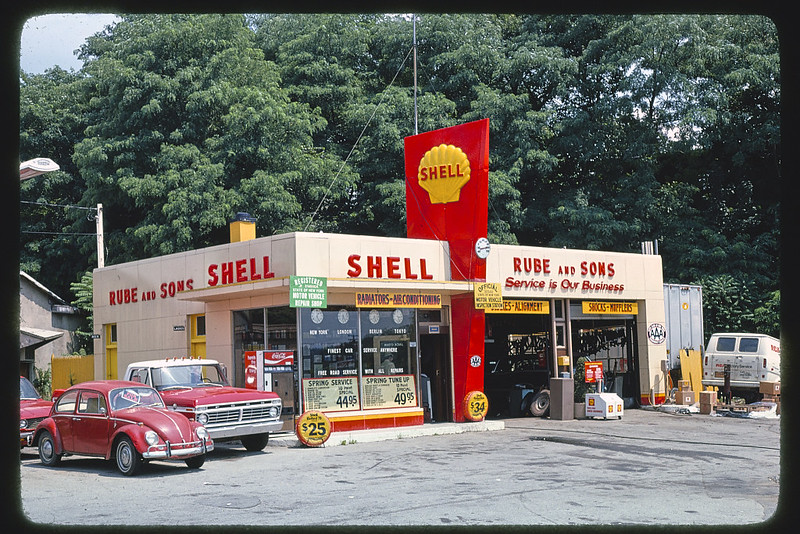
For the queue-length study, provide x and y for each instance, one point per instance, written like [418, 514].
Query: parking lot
[649, 468]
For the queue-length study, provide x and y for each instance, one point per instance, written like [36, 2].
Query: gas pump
[273, 370]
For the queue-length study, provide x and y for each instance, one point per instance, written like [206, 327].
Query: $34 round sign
[476, 405]
[313, 428]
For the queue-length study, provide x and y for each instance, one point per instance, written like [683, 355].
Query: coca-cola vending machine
[273, 370]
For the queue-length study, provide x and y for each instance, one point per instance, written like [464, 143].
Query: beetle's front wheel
[129, 461]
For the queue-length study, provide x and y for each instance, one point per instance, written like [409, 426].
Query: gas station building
[388, 332]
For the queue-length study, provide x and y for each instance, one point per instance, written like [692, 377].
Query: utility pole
[101, 256]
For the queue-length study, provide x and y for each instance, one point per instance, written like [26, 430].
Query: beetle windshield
[188, 376]
[26, 389]
[129, 397]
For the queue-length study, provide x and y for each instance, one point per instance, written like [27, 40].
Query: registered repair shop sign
[308, 292]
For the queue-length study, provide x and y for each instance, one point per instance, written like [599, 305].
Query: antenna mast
[415, 73]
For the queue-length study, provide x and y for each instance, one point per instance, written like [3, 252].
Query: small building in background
[47, 326]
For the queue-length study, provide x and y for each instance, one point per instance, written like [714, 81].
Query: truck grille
[32, 422]
[249, 412]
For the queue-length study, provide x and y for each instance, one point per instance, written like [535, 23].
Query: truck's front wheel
[196, 462]
[540, 405]
[255, 442]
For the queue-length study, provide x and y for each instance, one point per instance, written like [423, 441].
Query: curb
[385, 434]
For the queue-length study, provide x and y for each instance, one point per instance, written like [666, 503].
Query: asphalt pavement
[649, 468]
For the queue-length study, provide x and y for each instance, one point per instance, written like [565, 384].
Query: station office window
[358, 359]
[248, 334]
[261, 329]
[330, 342]
[334, 338]
[388, 342]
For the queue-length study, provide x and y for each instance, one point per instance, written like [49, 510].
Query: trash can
[616, 385]
[562, 398]
[427, 401]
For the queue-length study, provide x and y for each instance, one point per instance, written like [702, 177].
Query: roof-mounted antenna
[415, 73]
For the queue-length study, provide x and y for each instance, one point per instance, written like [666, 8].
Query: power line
[51, 205]
[341, 168]
[57, 233]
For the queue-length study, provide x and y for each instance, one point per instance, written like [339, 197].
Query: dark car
[32, 409]
[120, 420]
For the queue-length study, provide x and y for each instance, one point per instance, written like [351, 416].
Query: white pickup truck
[753, 358]
[199, 389]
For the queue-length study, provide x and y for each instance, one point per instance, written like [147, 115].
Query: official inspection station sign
[488, 296]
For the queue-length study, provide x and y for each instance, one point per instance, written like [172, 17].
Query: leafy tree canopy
[606, 131]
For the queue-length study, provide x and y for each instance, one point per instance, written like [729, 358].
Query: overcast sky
[50, 40]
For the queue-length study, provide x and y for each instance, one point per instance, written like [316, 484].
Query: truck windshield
[26, 389]
[187, 376]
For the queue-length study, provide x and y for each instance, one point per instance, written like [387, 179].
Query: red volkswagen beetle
[32, 410]
[126, 421]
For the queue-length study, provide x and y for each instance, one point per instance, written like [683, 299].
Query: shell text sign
[443, 171]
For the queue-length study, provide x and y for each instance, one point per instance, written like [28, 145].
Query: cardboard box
[708, 398]
[684, 385]
[707, 409]
[770, 388]
[684, 397]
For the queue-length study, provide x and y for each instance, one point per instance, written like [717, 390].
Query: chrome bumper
[720, 382]
[183, 450]
[237, 431]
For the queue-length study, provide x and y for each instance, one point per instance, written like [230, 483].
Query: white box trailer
[683, 305]
[752, 359]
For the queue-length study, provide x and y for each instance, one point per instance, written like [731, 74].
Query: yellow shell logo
[442, 172]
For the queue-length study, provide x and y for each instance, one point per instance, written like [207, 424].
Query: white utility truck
[753, 358]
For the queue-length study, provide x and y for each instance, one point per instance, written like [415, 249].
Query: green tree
[728, 305]
[52, 120]
[83, 290]
[604, 131]
[767, 318]
[189, 124]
